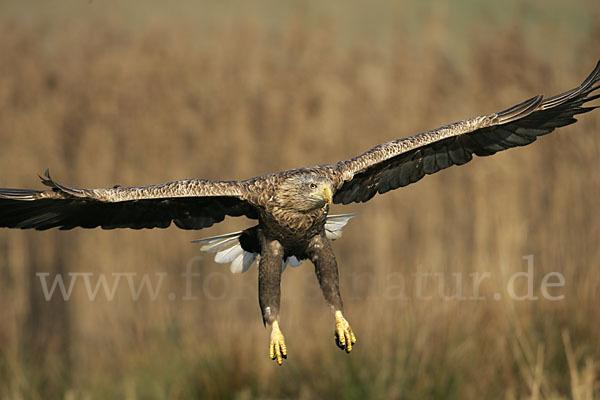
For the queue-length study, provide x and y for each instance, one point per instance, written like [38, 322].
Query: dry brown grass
[101, 105]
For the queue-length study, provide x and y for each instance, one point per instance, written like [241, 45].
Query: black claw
[338, 343]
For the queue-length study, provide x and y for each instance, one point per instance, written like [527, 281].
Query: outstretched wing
[404, 161]
[190, 204]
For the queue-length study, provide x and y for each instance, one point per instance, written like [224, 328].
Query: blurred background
[143, 92]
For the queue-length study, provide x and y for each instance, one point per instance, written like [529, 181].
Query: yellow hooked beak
[326, 194]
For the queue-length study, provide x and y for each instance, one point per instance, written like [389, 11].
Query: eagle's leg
[323, 257]
[269, 294]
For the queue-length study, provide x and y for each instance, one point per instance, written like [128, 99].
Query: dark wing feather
[190, 204]
[401, 162]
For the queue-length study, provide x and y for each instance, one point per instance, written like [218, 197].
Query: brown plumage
[292, 206]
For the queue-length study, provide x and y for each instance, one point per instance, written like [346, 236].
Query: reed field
[142, 93]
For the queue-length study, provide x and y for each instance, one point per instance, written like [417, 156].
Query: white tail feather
[293, 261]
[218, 243]
[228, 248]
[242, 262]
[334, 225]
[228, 255]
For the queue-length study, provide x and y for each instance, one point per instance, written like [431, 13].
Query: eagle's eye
[313, 186]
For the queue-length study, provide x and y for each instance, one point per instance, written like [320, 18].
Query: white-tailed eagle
[292, 206]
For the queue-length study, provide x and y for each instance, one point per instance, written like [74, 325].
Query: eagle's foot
[277, 347]
[344, 337]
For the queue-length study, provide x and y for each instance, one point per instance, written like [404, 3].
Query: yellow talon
[277, 347]
[344, 337]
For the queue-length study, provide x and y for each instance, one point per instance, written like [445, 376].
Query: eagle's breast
[291, 228]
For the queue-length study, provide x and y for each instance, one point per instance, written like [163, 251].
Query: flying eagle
[292, 206]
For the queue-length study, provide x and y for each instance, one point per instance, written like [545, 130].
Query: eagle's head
[304, 192]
